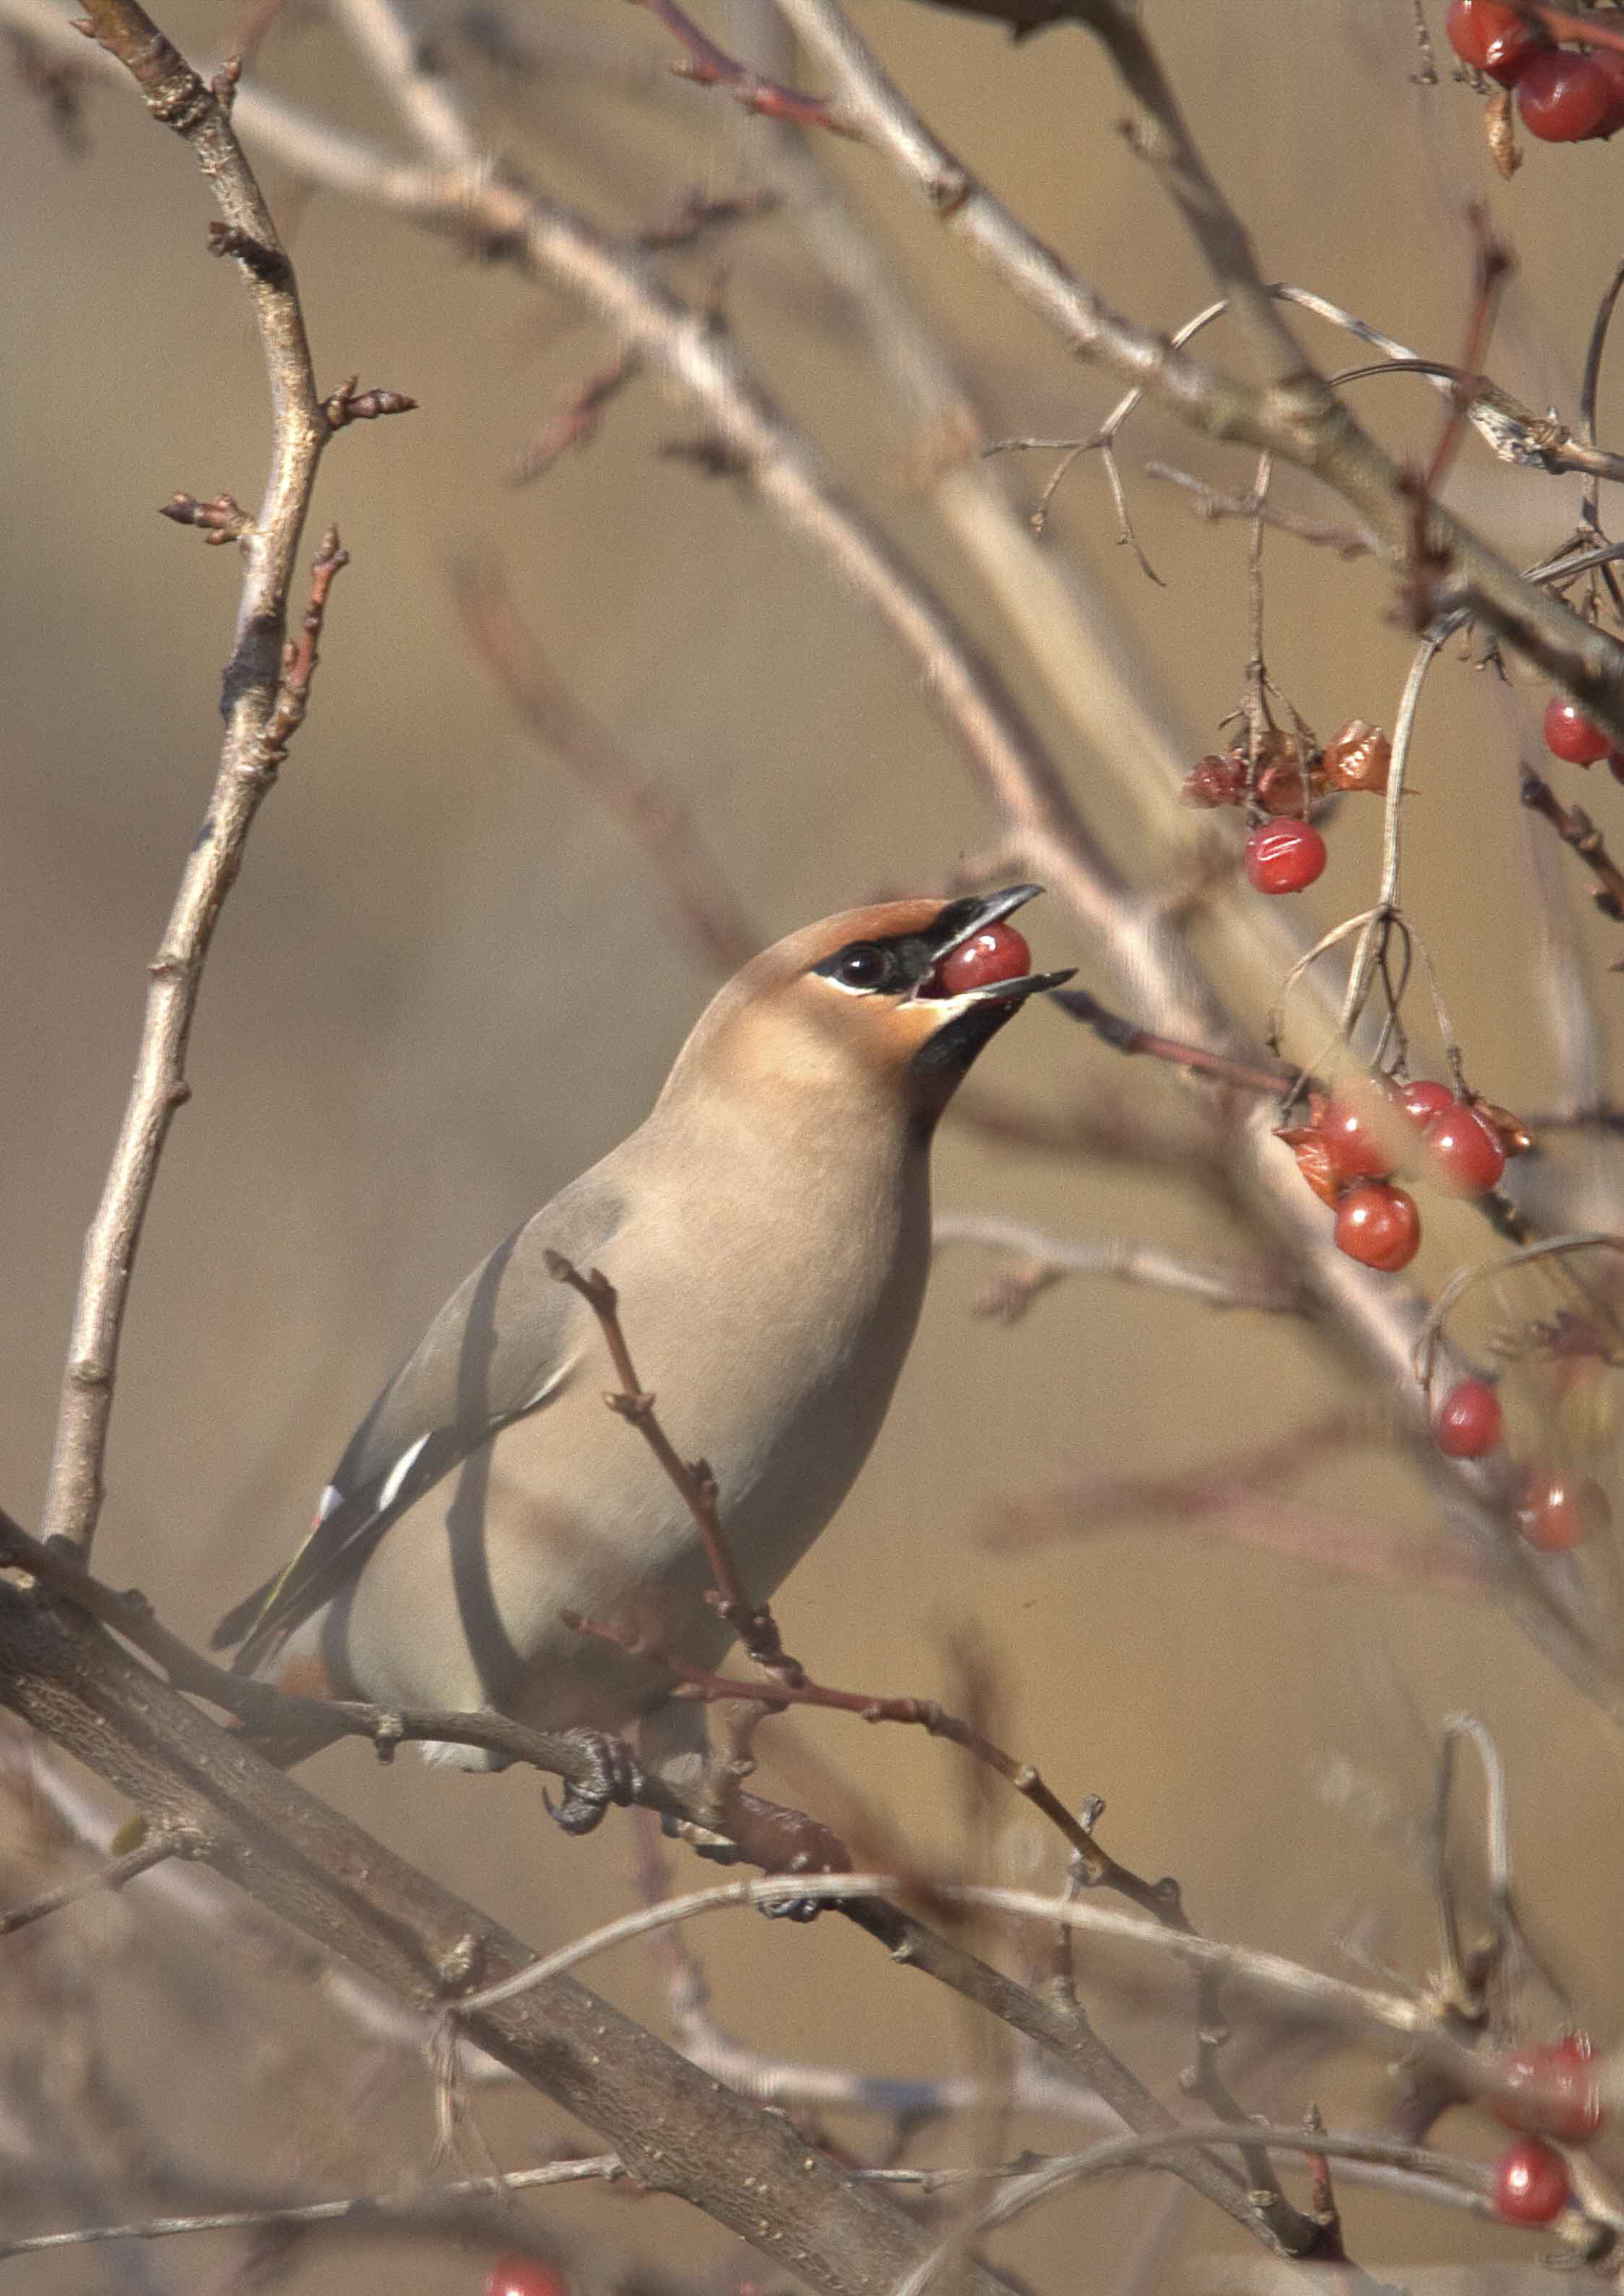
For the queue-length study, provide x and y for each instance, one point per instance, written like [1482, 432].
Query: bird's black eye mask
[889, 968]
[879, 968]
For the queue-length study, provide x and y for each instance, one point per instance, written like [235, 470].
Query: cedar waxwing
[768, 1231]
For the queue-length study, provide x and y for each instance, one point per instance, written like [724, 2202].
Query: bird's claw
[614, 1776]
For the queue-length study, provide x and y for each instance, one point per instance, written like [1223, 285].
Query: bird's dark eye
[862, 967]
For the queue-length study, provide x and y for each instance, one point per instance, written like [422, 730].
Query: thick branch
[675, 2129]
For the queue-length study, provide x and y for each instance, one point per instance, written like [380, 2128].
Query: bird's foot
[797, 1909]
[614, 1776]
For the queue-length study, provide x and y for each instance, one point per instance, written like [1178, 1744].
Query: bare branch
[165, 1843]
[1047, 1259]
[1296, 416]
[249, 757]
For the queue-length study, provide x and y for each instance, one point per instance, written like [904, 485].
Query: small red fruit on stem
[1284, 856]
[997, 953]
[1569, 735]
[1463, 1154]
[1379, 1226]
[1497, 39]
[1216, 781]
[1422, 1100]
[524, 2276]
[1564, 96]
[1551, 2089]
[1356, 1139]
[1467, 1424]
[1558, 1511]
[1530, 2182]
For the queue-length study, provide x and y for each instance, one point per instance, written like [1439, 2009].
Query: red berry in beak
[997, 953]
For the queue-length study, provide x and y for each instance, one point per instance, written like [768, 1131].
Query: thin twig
[252, 695]
[709, 66]
[1044, 1259]
[1299, 419]
[428, 2212]
[693, 1481]
[1576, 828]
[165, 1843]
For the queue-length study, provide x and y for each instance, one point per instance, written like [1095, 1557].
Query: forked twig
[693, 1481]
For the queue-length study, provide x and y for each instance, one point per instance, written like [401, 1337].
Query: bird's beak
[968, 918]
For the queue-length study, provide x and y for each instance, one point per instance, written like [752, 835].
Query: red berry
[524, 2276]
[1494, 37]
[1569, 733]
[1467, 1423]
[1551, 2088]
[997, 953]
[1565, 96]
[1358, 1141]
[1558, 1511]
[1284, 856]
[1422, 1100]
[1463, 1154]
[1378, 1225]
[1530, 2182]
[1216, 781]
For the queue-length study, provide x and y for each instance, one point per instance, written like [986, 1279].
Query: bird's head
[866, 1006]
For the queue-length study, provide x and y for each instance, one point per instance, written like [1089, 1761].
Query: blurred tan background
[446, 981]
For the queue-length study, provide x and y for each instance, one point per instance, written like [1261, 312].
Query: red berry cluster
[1574, 738]
[1548, 2089]
[1349, 1151]
[1557, 1510]
[1290, 777]
[1565, 96]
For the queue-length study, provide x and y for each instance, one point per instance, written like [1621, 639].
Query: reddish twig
[223, 520]
[705, 907]
[708, 66]
[1576, 828]
[1100, 1869]
[301, 657]
[692, 214]
[1091, 1862]
[693, 1481]
[576, 422]
[347, 404]
[1127, 1037]
[1597, 27]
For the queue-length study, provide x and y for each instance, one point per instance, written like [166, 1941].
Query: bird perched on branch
[767, 1230]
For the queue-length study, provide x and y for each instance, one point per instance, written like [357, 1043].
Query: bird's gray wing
[502, 1347]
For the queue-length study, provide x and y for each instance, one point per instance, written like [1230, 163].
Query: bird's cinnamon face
[925, 985]
[878, 1010]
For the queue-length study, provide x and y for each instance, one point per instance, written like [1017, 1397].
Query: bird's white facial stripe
[324, 1506]
[399, 1472]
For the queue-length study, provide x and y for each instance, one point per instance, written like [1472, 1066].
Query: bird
[768, 1231]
